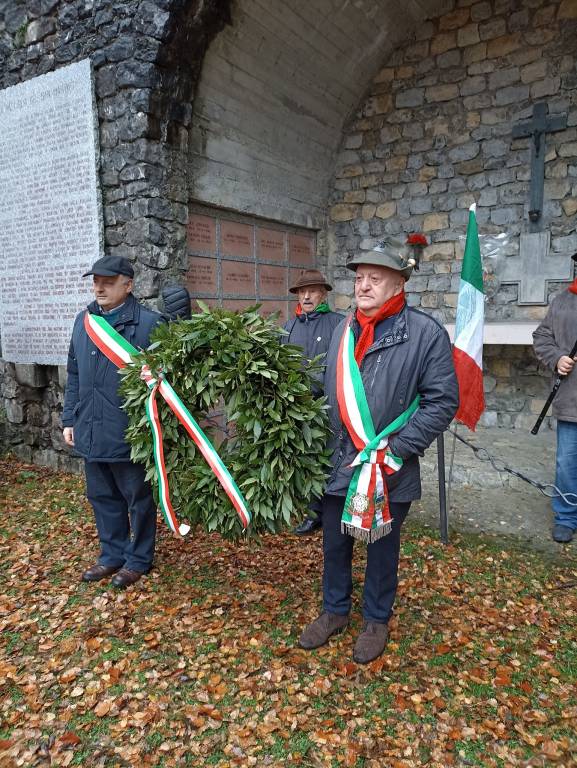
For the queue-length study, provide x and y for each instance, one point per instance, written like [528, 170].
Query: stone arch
[277, 87]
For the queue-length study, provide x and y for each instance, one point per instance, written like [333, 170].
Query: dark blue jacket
[92, 405]
[312, 332]
[411, 355]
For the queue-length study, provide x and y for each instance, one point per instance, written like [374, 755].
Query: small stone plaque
[302, 249]
[238, 305]
[272, 280]
[201, 233]
[238, 278]
[210, 302]
[236, 239]
[294, 275]
[271, 245]
[270, 307]
[201, 276]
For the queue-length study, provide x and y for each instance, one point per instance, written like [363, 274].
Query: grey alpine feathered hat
[402, 256]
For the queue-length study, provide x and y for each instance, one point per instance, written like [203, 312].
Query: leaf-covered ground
[198, 664]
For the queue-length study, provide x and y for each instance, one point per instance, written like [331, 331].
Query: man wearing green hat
[311, 329]
[392, 389]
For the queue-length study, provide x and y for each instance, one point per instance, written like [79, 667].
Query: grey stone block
[464, 152]
[496, 148]
[137, 75]
[14, 411]
[488, 197]
[548, 87]
[449, 59]
[473, 85]
[39, 29]
[420, 205]
[31, 375]
[505, 216]
[514, 94]
[438, 186]
[498, 177]
[502, 78]
[412, 97]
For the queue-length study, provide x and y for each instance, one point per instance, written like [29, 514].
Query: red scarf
[391, 307]
[573, 286]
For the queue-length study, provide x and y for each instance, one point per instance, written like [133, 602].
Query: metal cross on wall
[534, 266]
[538, 128]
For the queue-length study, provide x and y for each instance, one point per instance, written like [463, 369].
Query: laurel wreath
[252, 396]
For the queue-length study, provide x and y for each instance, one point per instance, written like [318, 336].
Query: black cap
[110, 266]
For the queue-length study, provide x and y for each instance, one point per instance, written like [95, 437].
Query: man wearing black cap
[95, 424]
[553, 341]
[311, 329]
[392, 389]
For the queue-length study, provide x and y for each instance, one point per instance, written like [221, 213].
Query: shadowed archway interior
[276, 90]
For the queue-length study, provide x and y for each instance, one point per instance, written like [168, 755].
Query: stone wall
[146, 57]
[434, 135]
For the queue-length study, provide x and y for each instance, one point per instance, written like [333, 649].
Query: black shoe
[125, 578]
[562, 533]
[308, 525]
[98, 572]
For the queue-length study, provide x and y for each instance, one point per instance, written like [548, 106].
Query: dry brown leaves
[198, 664]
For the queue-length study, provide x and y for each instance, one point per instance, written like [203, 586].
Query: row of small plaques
[239, 240]
[238, 277]
[285, 309]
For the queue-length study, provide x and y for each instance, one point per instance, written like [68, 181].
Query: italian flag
[468, 346]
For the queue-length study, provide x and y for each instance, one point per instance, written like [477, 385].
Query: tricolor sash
[120, 352]
[366, 513]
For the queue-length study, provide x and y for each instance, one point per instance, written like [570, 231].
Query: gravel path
[485, 500]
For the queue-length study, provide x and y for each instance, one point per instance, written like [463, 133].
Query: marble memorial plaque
[50, 211]
[294, 275]
[202, 275]
[238, 305]
[302, 249]
[272, 280]
[210, 302]
[236, 239]
[270, 307]
[271, 245]
[238, 278]
[201, 233]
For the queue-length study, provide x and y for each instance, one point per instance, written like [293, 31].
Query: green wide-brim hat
[389, 252]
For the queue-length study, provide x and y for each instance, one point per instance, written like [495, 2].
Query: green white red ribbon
[366, 513]
[120, 352]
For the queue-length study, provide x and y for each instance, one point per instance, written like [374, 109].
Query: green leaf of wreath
[251, 395]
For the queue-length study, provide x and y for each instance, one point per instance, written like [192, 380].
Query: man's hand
[565, 365]
[68, 433]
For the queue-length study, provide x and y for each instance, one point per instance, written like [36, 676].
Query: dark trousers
[315, 509]
[381, 574]
[125, 513]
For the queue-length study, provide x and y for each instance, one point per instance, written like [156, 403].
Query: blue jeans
[381, 574]
[566, 473]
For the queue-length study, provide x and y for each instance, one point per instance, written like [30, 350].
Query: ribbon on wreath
[120, 352]
[366, 514]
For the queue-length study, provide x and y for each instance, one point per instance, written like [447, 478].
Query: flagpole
[443, 514]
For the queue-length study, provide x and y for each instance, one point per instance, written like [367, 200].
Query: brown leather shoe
[98, 572]
[371, 642]
[124, 578]
[318, 632]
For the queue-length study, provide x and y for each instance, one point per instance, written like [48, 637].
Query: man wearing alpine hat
[311, 329]
[391, 385]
